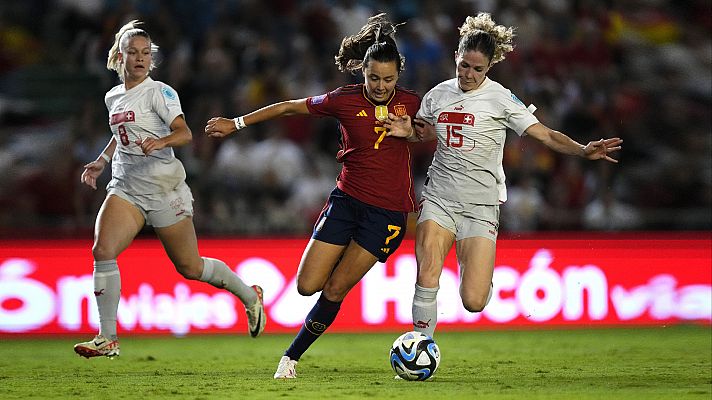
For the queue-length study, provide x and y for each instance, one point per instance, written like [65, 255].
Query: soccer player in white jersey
[147, 187]
[470, 115]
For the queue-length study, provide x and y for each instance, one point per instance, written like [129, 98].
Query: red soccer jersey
[376, 169]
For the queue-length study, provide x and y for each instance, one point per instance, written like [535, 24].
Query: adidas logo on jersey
[362, 113]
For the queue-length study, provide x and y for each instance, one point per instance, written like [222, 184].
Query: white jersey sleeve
[426, 109]
[517, 116]
[166, 104]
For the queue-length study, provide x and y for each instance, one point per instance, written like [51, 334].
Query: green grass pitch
[672, 362]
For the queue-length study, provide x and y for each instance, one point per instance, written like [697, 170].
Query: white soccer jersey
[471, 129]
[146, 110]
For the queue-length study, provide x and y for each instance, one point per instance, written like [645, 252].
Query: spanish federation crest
[400, 110]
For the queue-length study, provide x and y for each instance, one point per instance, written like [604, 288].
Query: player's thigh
[432, 244]
[354, 264]
[181, 245]
[117, 224]
[318, 262]
[476, 257]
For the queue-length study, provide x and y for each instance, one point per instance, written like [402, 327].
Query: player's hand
[150, 144]
[601, 148]
[91, 172]
[398, 126]
[424, 131]
[218, 127]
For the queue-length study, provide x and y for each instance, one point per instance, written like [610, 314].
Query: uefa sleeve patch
[168, 93]
[317, 99]
[516, 100]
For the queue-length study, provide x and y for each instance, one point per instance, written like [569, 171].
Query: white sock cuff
[208, 269]
[106, 266]
[425, 295]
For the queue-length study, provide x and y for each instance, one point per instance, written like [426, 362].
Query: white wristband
[239, 123]
[106, 157]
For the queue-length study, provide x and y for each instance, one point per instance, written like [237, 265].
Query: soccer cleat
[286, 369]
[256, 318]
[99, 346]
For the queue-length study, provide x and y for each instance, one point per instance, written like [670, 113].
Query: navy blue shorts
[344, 218]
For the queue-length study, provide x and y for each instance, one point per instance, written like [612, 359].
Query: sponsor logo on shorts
[177, 204]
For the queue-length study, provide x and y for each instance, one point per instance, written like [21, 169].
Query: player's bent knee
[305, 289]
[474, 303]
[103, 253]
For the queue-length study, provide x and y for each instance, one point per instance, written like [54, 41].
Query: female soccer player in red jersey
[364, 219]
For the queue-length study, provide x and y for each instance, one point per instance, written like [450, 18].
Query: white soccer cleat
[256, 318]
[99, 346]
[286, 369]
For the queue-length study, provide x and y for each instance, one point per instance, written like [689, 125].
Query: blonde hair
[121, 42]
[481, 33]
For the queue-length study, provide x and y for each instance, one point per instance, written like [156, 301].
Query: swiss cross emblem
[400, 110]
[443, 117]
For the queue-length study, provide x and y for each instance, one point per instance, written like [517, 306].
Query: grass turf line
[622, 363]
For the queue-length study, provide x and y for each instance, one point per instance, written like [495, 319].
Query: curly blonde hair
[482, 34]
[121, 41]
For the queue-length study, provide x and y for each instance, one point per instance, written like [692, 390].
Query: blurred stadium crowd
[638, 69]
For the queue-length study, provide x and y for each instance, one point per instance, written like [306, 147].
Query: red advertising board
[46, 286]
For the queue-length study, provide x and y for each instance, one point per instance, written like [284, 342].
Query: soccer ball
[415, 356]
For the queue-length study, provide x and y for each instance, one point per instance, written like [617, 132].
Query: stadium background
[638, 70]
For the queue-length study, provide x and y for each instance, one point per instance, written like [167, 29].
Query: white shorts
[161, 210]
[462, 219]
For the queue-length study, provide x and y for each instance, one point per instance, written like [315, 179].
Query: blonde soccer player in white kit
[147, 187]
[466, 184]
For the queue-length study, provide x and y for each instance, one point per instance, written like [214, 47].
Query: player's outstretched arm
[218, 127]
[600, 148]
[561, 143]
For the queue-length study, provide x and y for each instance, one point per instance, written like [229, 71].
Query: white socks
[425, 309]
[218, 274]
[107, 290]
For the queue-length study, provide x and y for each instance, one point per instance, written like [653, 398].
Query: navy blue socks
[319, 318]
